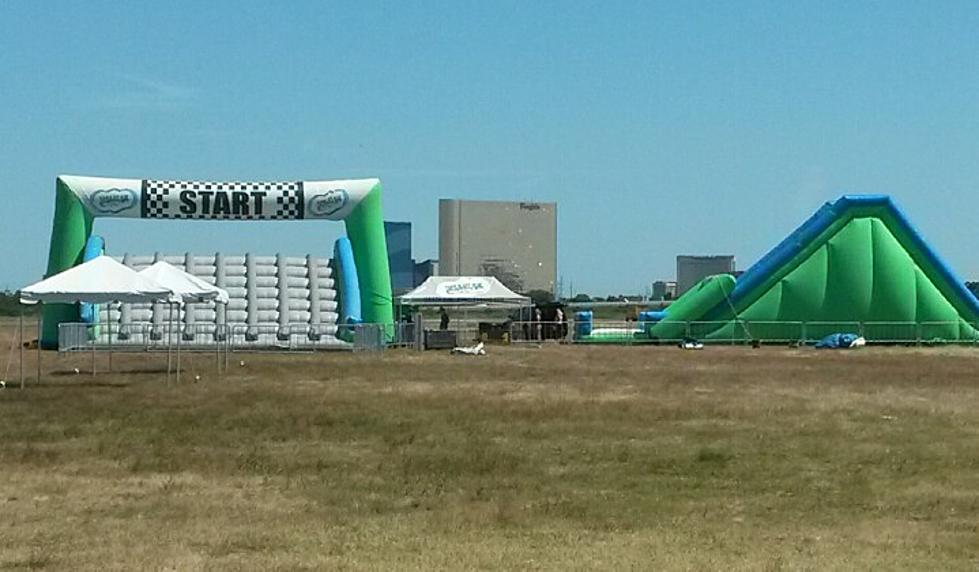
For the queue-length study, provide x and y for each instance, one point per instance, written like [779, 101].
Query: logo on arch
[112, 201]
[328, 203]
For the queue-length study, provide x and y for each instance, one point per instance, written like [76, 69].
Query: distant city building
[514, 241]
[659, 290]
[664, 290]
[692, 269]
[398, 236]
[425, 270]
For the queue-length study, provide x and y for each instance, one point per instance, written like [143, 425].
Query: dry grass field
[529, 458]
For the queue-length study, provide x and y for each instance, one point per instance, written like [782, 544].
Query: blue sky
[659, 128]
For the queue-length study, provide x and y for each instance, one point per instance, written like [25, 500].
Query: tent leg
[21, 349]
[169, 341]
[108, 333]
[179, 336]
[39, 327]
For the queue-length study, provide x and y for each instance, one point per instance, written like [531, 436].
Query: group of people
[538, 329]
[534, 325]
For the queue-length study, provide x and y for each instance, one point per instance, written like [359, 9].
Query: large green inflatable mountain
[856, 265]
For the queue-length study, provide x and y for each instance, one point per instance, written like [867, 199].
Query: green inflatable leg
[365, 228]
[72, 227]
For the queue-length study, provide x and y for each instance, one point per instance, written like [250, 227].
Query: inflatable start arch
[357, 202]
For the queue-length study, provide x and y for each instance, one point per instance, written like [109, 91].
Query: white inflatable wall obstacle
[274, 300]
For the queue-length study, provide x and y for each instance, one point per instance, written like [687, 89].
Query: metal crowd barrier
[198, 337]
[205, 337]
[404, 336]
[368, 337]
[802, 332]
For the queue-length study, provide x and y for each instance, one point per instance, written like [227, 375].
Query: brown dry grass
[551, 458]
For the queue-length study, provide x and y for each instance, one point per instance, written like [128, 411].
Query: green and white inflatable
[357, 202]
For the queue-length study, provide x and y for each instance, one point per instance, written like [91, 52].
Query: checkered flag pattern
[289, 205]
[222, 201]
[155, 201]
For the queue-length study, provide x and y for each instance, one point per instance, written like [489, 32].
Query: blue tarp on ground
[836, 341]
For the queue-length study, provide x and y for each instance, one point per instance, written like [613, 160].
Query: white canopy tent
[186, 289]
[98, 281]
[185, 286]
[463, 291]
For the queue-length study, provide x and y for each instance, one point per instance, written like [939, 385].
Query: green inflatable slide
[857, 265]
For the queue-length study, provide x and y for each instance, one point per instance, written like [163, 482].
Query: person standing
[561, 327]
[443, 318]
[537, 323]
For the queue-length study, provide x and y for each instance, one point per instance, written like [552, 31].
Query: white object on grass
[476, 350]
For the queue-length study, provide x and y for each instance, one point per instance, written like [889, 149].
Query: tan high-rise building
[692, 269]
[514, 241]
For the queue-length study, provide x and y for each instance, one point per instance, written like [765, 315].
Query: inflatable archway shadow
[357, 202]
